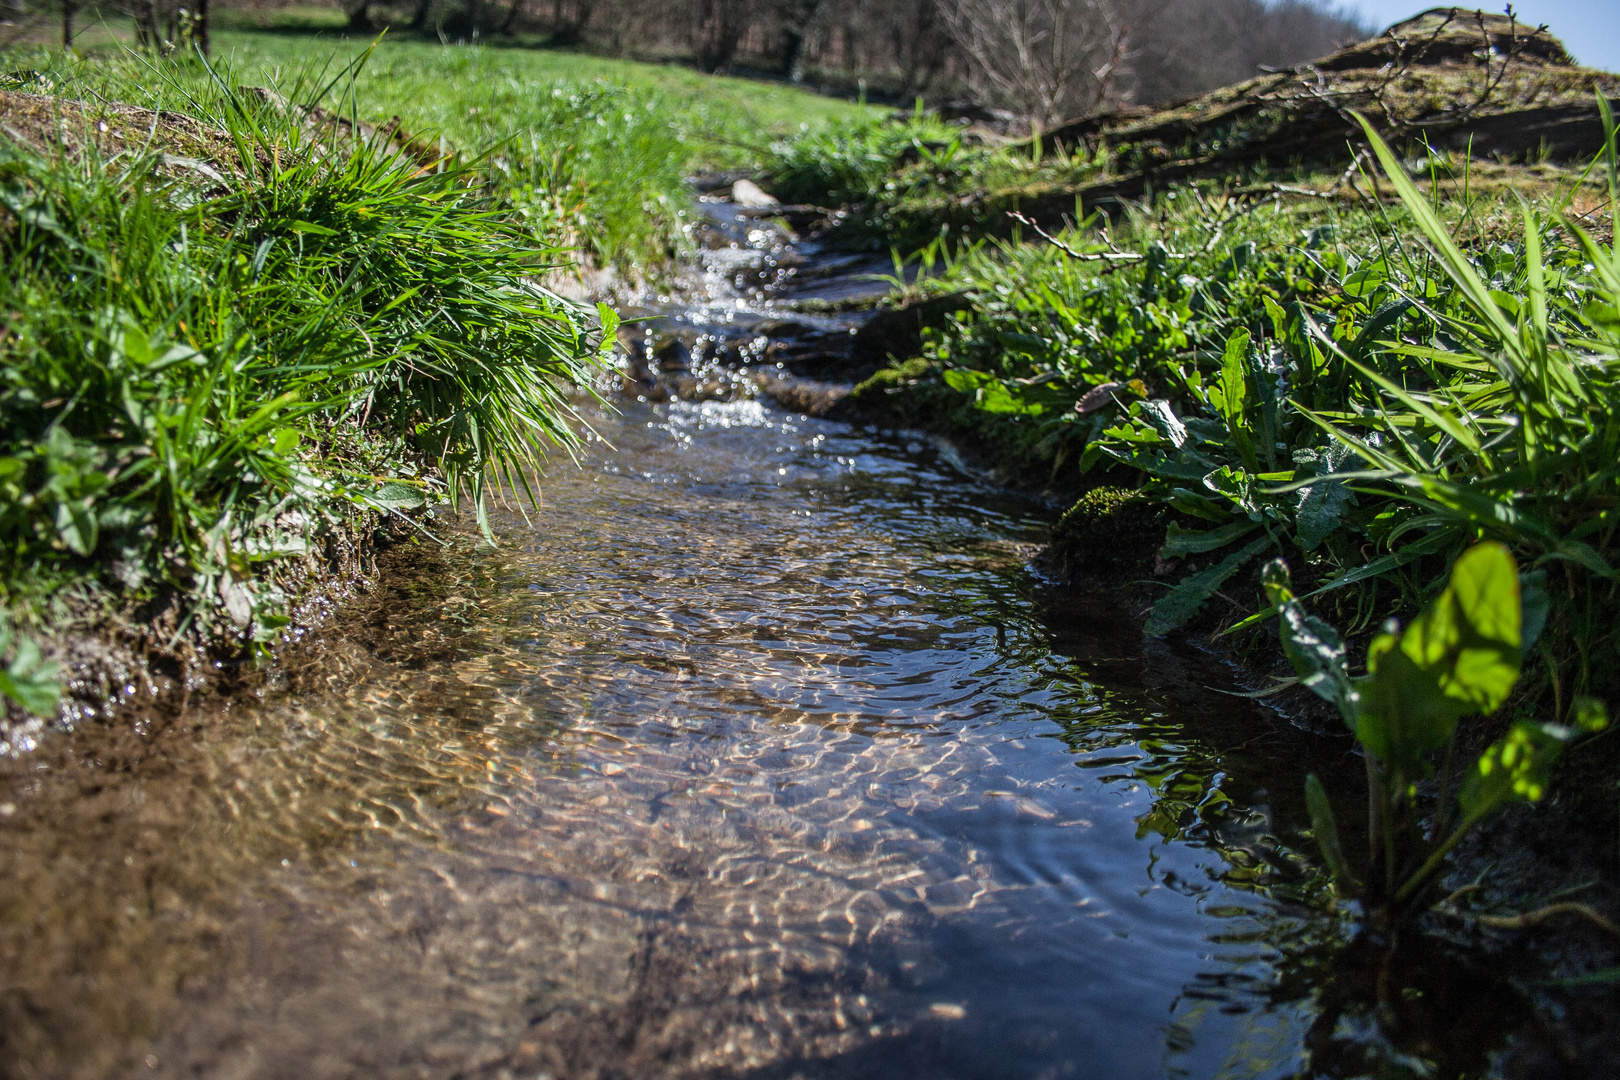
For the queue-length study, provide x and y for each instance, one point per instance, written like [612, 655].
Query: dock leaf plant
[1459, 657]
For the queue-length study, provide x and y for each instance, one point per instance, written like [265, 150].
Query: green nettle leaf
[1320, 508]
[1179, 542]
[1323, 503]
[1182, 603]
[395, 495]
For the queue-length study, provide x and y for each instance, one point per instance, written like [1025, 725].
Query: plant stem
[1434, 860]
[1375, 815]
[1442, 809]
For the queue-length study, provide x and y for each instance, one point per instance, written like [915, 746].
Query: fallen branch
[1111, 257]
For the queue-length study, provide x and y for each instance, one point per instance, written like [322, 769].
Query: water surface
[757, 750]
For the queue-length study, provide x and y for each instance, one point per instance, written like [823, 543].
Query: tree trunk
[792, 53]
[359, 12]
[512, 16]
[200, 31]
[720, 30]
[69, 7]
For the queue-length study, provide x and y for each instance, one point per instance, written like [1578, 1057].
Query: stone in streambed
[748, 193]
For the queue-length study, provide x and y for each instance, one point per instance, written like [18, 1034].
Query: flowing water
[758, 750]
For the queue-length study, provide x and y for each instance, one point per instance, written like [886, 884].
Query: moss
[1110, 532]
[907, 394]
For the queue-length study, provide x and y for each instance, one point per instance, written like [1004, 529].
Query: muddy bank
[135, 665]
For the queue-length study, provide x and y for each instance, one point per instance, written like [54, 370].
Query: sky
[1589, 29]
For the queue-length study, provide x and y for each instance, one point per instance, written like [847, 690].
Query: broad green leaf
[1459, 656]
[1512, 769]
[76, 526]
[394, 495]
[37, 696]
[1367, 279]
[964, 380]
[30, 681]
[1320, 508]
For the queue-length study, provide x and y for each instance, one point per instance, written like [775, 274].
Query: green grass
[719, 109]
[597, 149]
[1344, 385]
[199, 379]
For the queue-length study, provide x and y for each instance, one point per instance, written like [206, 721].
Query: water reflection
[758, 751]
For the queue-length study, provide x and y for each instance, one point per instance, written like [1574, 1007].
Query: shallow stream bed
[757, 750]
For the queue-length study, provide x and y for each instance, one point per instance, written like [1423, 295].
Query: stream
[758, 749]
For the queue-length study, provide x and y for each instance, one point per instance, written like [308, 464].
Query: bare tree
[1051, 59]
[1197, 45]
[717, 31]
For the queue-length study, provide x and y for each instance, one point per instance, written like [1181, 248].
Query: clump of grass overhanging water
[202, 377]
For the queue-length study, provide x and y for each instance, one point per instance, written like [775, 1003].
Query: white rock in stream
[748, 193]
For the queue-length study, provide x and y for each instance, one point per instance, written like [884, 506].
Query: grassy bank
[1442, 362]
[1360, 365]
[594, 151]
[231, 331]
[256, 305]
[1359, 362]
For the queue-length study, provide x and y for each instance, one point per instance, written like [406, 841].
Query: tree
[716, 32]
[1050, 59]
